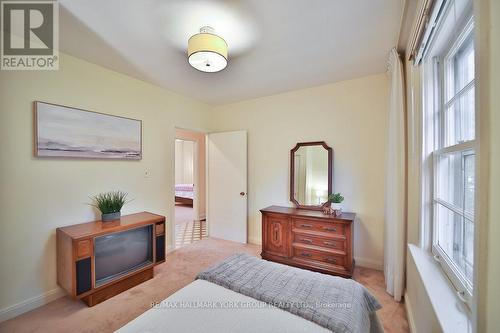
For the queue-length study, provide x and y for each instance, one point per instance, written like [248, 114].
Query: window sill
[452, 314]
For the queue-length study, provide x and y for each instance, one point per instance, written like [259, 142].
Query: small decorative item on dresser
[110, 204]
[327, 210]
[336, 203]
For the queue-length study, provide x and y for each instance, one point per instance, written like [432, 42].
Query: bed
[247, 294]
[217, 319]
[184, 193]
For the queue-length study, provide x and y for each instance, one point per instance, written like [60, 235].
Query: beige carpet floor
[181, 267]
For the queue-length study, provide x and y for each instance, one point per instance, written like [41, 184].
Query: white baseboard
[369, 263]
[30, 304]
[256, 241]
[409, 314]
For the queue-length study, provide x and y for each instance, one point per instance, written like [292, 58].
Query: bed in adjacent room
[184, 193]
[247, 294]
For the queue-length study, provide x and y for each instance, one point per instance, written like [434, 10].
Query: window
[449, 88]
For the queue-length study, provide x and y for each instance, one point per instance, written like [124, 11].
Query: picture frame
[68, 132]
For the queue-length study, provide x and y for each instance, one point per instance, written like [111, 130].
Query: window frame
[435, 86]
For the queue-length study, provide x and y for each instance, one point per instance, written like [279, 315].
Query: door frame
[196, 176]
[196, 194]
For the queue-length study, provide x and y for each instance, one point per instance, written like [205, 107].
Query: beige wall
[38, 195]
[351, 117]
[487, 14]
[199, 137]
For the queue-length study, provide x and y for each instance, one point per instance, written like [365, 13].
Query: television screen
[122, 252]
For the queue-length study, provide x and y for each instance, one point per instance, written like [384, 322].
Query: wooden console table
[76, 256]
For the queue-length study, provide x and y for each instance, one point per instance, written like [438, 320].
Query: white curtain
[395, 223]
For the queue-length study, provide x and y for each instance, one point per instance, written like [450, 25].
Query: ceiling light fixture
[207, 52]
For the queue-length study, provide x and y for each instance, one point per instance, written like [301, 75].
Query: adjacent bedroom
[189, 210]
[279, 166]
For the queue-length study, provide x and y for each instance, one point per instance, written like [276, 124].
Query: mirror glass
[310, 175]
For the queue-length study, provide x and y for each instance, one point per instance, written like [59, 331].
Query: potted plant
[110, 204]
[336, 202]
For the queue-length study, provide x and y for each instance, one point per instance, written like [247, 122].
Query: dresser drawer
[324, 257]
[330, 243]
[313, 225]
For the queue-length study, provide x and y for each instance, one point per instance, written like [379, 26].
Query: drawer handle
[304, 254]
[306, 225]
[332, 260]
[330, 229]
[332, 244]
[305, 240]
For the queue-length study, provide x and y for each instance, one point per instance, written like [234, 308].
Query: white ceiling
[274, 45]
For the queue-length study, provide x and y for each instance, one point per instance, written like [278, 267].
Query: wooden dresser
[308, 239]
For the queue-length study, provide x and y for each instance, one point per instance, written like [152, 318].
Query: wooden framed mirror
[311, 174]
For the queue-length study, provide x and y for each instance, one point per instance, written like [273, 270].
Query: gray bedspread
[338, 304]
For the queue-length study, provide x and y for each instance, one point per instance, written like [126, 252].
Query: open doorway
[190, 220]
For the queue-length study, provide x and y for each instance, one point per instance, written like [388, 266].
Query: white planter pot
[336, 206]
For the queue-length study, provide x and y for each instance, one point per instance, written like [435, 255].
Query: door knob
[242, 194]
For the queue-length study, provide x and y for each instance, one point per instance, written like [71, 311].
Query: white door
[227, 185]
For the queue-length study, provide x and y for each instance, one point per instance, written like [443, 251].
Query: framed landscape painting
[62, 131]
